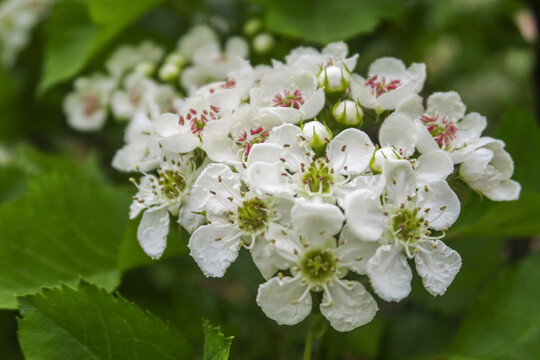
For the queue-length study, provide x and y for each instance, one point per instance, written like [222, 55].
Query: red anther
[256, 131]
[188, 116]
[213, 116]
[229, 84]
[204, 118]
[193, 111]
[212, 91]
[294, 100]
[370, 80]
[205, 112]
[181, 120]
[214, 108]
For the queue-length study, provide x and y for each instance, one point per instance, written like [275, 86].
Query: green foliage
[216, 345]
[79, 29]
[62, 230]
[323, 21]
[504, 320]
[70, 324]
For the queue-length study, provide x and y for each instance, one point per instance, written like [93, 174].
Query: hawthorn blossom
[488, 169]
[237, 217]
[127, 58]
[87, 107]
[388, 83]
[317, 263]
[159, 196]
[408, 224]
[286, 164]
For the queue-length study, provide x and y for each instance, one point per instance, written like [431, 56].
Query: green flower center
[172, 183]
[252, 215]
[318, 265]
[409, 225]
[318, 177]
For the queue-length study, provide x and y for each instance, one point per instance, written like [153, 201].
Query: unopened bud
[380, 156]
[252, 27]
[348, 113]
[145, 69]
[176, 59]
[169, 72]
[334, 79]
[263, 43]
[317, 135]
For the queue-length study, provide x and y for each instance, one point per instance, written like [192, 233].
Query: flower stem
[309, 340]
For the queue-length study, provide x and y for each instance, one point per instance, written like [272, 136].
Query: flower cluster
[272, 159]
[17, 20]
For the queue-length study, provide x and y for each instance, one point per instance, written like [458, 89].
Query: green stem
[309, 341]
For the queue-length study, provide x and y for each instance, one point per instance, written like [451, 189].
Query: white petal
[364, 215]
[167, 124]
[433, 166]
[424, 141]
[186, 218]
[265, 152]
[221, 149]
[260, 253]
[446, 104]
[389, 273]
[214, 248]
[152, 232]
[388, 67]
[399, 131]
[411, 106]
[279, 299]
[437, 266]
[268, 178]
[351, 306]
[351, 151]
[313, 105]
[285, 245]
[506, 190]
[354, 253]
[316, 221]
[443, 204]
[181, 143]
[217, 181]
[400, 180]
[470, 128]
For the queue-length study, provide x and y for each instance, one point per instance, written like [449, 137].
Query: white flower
[163, 194]
[443, 125]
[137, 96]
[488, 169]
[317, 262]
[285, 164]
[388, 84]
[87, 107]
[236, 217]
[196, 38]
[127, 58]
[333, 55]
[403, 224]
[141, 151]
[290, 94]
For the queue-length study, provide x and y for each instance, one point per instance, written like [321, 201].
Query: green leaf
[88, 323]
[504, 320]
[216, 345]
[504, 219]
[63, 229]
[78, 30]
[324, 21]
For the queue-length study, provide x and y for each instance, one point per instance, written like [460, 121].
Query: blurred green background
[483, 49]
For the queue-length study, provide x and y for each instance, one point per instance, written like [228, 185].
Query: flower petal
[433, 166]
[268, 178]
[399, 131]
[447, 105]
[351, 151]
[280, 300]
[389, 273]
[443, 204]
[350, 306]
[316, 221]
[437, 266]
[364, 215]
[353, 252]
[313, 105]
[506, 190]
[215, 247]
[400, 180]
[152, 232]
[260, 253]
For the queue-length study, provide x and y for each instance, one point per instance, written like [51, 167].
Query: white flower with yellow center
[237, 217]
[317, 263]
[286, 164]
[407, 224]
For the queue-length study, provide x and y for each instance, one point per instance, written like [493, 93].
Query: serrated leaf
[88, 323]
[216, 345]
[504, 320]
[324, 21]
[79, 29]
[64, 228]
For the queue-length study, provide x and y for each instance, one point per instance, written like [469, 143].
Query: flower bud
[348, 113]
[176, 59]
[380, 156]
[145, 69]
[317, 134]
[263, 43]
[169, 72]
[252, 27]
[334, 79]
